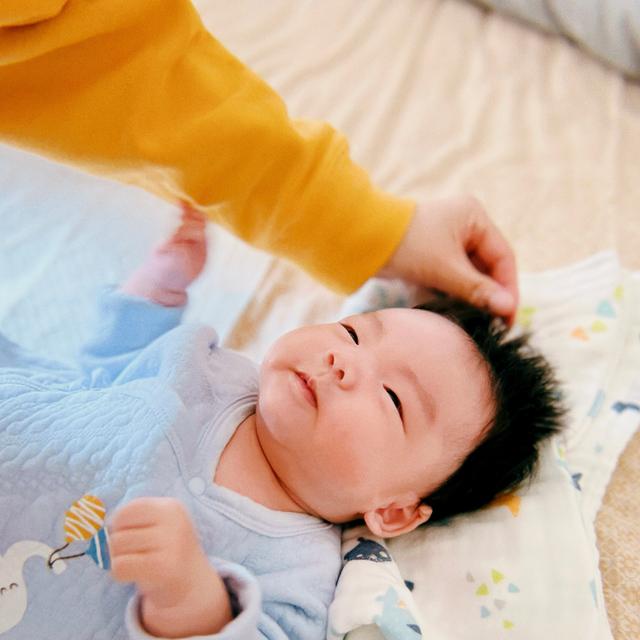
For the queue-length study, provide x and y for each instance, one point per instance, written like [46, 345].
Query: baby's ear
[394, 520]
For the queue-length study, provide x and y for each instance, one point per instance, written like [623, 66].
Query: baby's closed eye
[396, 401]
[352, 332]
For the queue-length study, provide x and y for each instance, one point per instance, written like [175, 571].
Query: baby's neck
[244, 468]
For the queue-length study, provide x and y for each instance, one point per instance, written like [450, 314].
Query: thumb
[478, 289]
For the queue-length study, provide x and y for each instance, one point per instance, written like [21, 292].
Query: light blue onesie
[146, 411]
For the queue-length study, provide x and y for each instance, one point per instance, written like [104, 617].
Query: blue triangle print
[98, 550]
[605, 309]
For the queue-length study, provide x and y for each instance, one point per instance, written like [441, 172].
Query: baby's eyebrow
[376, 323]
[426, 399]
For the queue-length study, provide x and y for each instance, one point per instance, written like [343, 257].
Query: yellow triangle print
[511, 501]
[525, 315]
[496, 576]
[598, 326]
[507, 624]
[482, 590]
[618, 292]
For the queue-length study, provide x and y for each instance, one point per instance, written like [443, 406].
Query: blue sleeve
[125, 325]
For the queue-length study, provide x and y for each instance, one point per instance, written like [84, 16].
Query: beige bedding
[436, 97]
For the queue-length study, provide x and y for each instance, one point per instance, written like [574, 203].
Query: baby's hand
[173, 265]
[153, 543]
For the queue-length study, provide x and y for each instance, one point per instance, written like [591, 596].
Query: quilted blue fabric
[146, 410]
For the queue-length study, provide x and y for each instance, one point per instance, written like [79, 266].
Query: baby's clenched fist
[154, 544]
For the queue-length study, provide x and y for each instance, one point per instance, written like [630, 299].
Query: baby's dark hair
[527, 411]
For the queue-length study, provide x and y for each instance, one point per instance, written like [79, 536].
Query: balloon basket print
[84, 521]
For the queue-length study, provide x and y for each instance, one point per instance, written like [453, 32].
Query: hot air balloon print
[84, 520]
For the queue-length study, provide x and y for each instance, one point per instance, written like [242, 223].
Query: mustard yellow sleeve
[139, 91]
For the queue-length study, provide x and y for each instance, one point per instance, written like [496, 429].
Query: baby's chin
[274, 434]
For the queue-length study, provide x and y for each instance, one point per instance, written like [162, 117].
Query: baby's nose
[341, 369]
[333, 363]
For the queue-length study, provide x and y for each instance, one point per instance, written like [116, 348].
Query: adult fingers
[493, 255]
[462, 279]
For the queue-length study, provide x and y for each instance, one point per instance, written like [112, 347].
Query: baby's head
[403, 415]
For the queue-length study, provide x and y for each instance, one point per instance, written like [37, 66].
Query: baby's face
[379, 405]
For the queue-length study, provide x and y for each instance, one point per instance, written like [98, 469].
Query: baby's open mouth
[307, 388]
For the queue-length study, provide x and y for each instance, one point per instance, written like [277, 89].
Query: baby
[392, 417]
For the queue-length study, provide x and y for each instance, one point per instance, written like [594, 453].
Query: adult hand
[452, 245]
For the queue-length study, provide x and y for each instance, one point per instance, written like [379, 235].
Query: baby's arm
[173, 265]
[181, 592]
[153, 543]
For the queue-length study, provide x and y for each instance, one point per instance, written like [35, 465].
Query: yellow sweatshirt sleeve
[139, 91]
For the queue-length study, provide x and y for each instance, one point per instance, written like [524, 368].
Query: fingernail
[501, 302]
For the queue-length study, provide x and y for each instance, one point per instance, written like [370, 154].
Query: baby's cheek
[349, 454]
